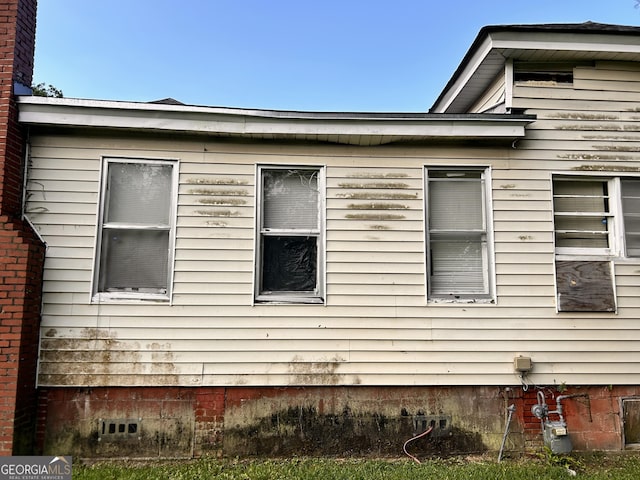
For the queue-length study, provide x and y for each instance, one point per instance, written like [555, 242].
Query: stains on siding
[584, 116]
[315, 373]
[217, 213]
[98, 356]
[377, 206]
[376, 196]
[603, 126]
[592, 156]
[372, 216]
[396, 185]
[216, 181]
[216, 192]
[606, 168]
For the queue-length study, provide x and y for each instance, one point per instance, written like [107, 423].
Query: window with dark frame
[136, 228]
[458, 250]
[290, 241]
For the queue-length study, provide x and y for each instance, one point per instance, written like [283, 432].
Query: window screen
[136, 227]
[457, 236]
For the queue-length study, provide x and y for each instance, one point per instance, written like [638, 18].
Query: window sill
[461, 301]
[123, 297]
[287, 300]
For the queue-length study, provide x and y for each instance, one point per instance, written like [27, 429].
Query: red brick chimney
[21, 253]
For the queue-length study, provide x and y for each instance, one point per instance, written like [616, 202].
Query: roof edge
[485, 32]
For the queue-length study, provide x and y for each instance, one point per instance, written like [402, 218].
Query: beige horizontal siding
[376, 327]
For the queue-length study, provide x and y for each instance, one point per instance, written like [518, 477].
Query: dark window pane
[289, 264]
[134, 260]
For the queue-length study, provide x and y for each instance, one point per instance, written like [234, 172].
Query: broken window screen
[631, 215]
[136, 227]
[582, 213]
[289, 234]
[457, 236]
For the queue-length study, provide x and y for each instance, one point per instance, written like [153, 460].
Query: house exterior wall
[377, 336]
[376, 327]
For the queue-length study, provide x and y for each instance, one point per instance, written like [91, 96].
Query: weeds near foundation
[558, 460]
[598, 467]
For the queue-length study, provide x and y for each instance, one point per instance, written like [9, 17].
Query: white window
[583, 216]
[458, 251]
[136, 230]
[290, 239]
[597, 215]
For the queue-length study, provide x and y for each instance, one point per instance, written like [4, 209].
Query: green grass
[618, 467]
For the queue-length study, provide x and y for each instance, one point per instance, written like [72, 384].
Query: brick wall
[179, 422]
[21, 253]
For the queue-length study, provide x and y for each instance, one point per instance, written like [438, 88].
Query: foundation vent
[119, 429]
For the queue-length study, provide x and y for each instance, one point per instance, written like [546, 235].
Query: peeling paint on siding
[377, 206]
[605, 126]
[584, 116]
[216, 181]
[617, 148]
[605, 168]
[378, 196]
[399, 185]
[371, 216]
[220, 193]
[217, 213]
[379, 175]
[222, 201]
[589, 156]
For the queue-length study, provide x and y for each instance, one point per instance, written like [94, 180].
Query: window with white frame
[290, 240]
[136, 229]
[597, 215]
[458, 250]
[583, 215]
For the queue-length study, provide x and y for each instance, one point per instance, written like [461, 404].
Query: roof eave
[335, 127]
[495, 41]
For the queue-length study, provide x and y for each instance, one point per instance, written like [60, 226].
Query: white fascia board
[469, 70]
[214, 120]
[561, 41]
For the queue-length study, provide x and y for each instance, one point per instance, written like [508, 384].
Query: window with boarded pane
[458, 250]
[136, 229]
[583, 215]
[290, 247]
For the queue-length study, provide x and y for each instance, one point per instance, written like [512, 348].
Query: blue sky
[314, 55]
